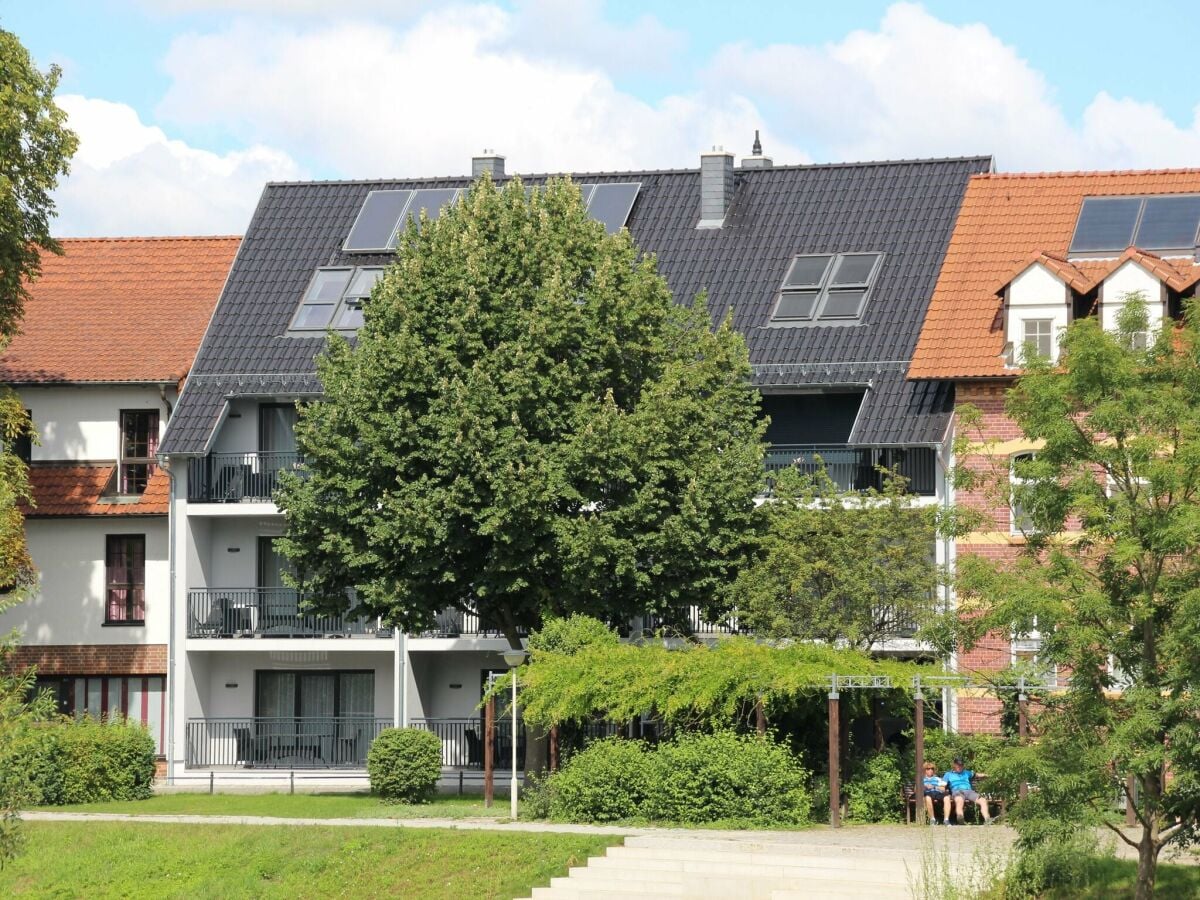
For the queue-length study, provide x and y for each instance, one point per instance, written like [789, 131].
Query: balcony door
[278, 604]
[314, 718]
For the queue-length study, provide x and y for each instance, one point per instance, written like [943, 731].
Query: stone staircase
[762, 868]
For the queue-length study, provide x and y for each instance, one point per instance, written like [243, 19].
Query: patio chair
[214, 624]
[474, 748]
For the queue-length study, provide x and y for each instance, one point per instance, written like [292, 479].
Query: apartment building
[827, 269]
[1030, 254]
[106, 343]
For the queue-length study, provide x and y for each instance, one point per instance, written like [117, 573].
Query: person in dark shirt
[959, 781]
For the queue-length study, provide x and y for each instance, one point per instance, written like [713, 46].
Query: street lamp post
[514, 658]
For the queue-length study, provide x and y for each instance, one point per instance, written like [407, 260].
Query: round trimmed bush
[726, 777]
[605, 782]
[404, 764]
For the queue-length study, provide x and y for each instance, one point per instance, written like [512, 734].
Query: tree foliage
[684, 684]
[842, 567]
[1109, 576]
[526, 426]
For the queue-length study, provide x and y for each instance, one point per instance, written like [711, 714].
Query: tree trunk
[877, 723]
[1148, 846]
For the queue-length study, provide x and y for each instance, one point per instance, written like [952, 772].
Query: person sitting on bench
[959, 781]
[935, 789]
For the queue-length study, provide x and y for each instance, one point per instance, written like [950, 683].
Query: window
[140, 698]
[314, 695]
[1039, 338]
[334, 299]
[139, 444]
[826, 288]
[125, 578]
[1021, 521]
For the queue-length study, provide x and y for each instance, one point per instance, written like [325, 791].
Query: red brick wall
[94, 659]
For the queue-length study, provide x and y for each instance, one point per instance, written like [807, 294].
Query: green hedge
[404, 764]
[873, 791]
[84, 761]
[695, 779]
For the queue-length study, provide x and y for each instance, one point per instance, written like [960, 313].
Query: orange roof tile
[74, 489]
[1005, 220]
[1068, 272]
[119, 309]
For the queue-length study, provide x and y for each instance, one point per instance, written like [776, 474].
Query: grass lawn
[305, 806]
[1117, 878]
[136, 859]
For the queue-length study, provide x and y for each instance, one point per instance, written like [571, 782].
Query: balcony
[453, 623]
[266, 612]
[462, 741]
[282, 743]
[238, 477]
[856, 468]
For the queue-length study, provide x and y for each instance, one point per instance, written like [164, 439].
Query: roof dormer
[1037, 307]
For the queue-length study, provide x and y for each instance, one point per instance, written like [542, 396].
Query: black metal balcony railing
[282, 743]
[456, 623]
[234, 477]
[462, 742]
[695, 624]
[265, 612]
[856, 468]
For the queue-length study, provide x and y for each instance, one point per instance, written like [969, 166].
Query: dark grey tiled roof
[905, 210]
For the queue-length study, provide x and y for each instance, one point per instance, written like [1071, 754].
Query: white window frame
[1049, 338]
[1013, 516]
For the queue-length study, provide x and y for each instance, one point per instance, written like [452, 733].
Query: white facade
[1131, 279]
[81, 422]
[1037, 295]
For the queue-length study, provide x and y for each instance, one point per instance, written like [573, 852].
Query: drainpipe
[949, 703]
[397, 681]
[165, 462]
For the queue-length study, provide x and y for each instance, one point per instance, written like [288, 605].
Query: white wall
[233, 551]
[83, 422]
[221, 669]
[239, 432]
[68, 607]
[1130, 279]
[434, 674]
[1036, 294]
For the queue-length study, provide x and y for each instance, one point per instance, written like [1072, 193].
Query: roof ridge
[868, 163]
[149, 238]
[1084, 173]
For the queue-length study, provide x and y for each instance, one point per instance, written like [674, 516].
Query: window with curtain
[139, 698]
[307, 695]
[139, 445]
[125, 577]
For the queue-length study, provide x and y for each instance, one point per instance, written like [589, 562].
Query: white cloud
[371, 101]
[321, 8]
[919, 86]
[130, 178]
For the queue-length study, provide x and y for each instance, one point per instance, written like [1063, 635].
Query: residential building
[108, 336]
[827, 270]
[1030, 254]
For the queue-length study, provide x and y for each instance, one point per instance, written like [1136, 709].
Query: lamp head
[514, 657]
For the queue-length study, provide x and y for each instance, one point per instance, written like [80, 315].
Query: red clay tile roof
[74, 489]
[1005, 220]
[119, 309]
[1068, 272]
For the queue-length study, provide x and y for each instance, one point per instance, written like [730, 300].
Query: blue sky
[185, 107]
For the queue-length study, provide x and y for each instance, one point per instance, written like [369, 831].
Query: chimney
[716, 187]
[756, 160]
[491, 162]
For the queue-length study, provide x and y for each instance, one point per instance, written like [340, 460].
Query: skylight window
[334, 298]
[1107, 225]
[826, 288]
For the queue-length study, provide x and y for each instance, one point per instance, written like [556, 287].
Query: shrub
[1065, 862]
[873, 792]
[727, 777]
[404, 764]
[603, 783]
[112, 760]
[536, 796]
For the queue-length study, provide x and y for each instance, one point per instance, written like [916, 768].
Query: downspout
[165, 462]
[949, 703]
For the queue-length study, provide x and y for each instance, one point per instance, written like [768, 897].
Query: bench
[910, 799]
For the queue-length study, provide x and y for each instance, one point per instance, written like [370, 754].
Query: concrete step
[765, 845]
[617, 868]
[859, 862]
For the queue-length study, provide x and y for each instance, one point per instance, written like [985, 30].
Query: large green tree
[839, 567]
[35, 151]
[526, 426]
[1110, 578]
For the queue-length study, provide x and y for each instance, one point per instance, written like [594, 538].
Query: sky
[186, 108]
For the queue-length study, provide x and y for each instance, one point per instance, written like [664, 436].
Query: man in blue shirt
[958, 781]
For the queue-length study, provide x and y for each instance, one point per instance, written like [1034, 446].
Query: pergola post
[1022, 730]
[835, 787]
[919, 741]
[489, 739]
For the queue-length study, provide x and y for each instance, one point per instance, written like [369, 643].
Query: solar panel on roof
[610, 204]
[376, 222]
[432, 201]
[1106, 223]
[1169, 223]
